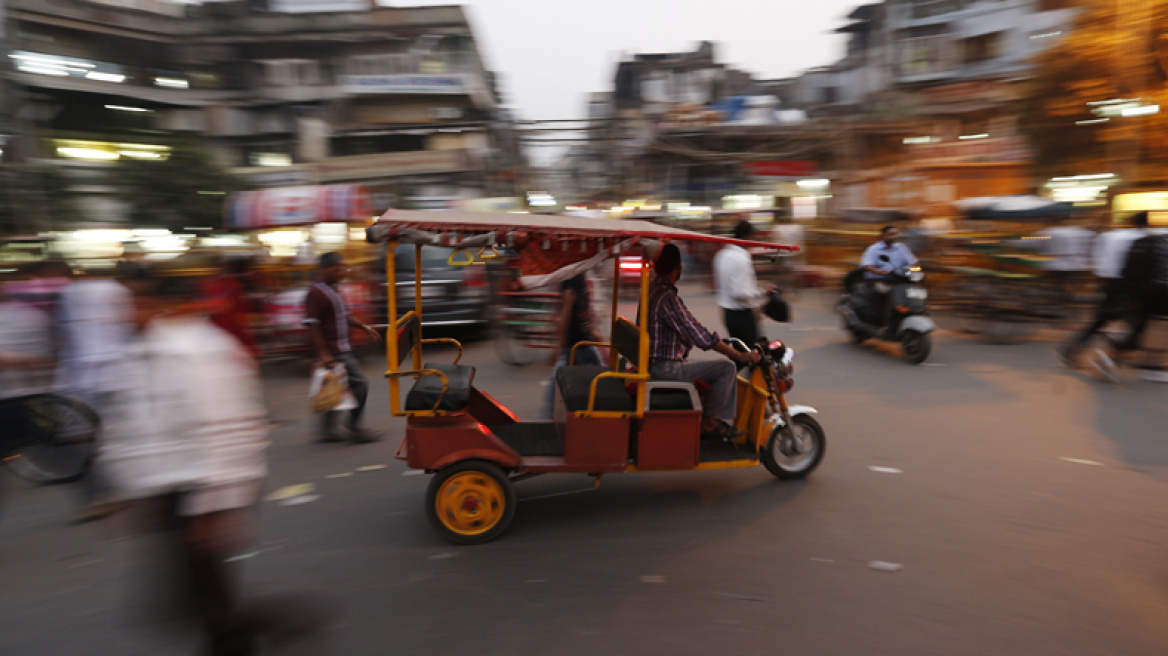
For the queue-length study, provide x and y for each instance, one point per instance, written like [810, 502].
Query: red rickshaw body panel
[486, 409]
[601, 444]
[669, 439]
[436, 442]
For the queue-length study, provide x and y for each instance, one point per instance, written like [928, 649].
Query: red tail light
[632, 264]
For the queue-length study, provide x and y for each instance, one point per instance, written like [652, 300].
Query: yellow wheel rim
[470, 503]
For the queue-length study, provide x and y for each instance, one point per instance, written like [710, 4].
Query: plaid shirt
[673, 331]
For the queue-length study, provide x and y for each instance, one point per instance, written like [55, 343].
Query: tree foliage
[34, 198]
[1108, 55]
[185, 189]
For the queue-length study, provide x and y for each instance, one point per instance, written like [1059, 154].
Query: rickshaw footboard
[531, 438]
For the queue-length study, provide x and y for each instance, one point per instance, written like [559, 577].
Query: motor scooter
[901, 317]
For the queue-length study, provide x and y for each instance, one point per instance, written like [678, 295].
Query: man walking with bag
[329, 323]
[739, 293]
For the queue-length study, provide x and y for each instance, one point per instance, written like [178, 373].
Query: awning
[292, 206]
[1014, 208]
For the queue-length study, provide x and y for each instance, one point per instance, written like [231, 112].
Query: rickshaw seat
[428, 389]
[575, 383]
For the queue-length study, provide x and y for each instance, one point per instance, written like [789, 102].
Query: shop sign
[412, 83]
[291, 206]
[1001, 149]
[780, 168]
[283, 176]
[387, 165]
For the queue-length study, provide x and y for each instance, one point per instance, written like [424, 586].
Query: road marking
[300, 500]
[729, 595]
[884, 470]
[242, 557]
[369, 468]
[289, 491]
[339, 475]
[823, 560]
[885, 566]
[1078, 461]
[652, 579]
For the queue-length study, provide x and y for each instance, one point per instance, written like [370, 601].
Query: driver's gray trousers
[721, 375]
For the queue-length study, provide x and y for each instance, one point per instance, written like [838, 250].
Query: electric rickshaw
[607, 419]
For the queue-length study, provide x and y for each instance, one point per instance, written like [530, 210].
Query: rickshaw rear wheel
[471, 502]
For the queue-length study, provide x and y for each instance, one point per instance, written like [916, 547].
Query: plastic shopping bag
[329, 390]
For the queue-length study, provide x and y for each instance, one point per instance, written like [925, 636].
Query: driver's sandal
[724, 432]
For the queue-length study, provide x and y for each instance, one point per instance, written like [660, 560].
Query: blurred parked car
[452, 296]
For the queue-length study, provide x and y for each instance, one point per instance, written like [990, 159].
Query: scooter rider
[881, 259]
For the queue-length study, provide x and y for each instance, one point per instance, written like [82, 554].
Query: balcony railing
[412, 63]
[926, 55]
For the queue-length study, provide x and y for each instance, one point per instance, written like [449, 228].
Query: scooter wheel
[916, 346]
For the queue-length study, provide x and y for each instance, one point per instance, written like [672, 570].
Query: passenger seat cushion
[575, 382]
[428, 388]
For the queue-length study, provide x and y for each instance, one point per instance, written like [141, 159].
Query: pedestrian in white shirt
[1109, 254]
[1069, 247]
[94, 325]
[186, 447]
[739, 294]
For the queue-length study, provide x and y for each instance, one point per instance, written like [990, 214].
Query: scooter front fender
[919, 323]
[794, 410]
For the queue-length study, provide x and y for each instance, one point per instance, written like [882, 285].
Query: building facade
[957, 69]
[280, 92]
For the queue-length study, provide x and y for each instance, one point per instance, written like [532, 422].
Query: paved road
[1028, 515]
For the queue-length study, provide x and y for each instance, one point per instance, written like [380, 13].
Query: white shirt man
[1110, 251]
[1070, 246]
[739, 293]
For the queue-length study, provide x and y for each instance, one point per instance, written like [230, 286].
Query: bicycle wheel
[56, 441]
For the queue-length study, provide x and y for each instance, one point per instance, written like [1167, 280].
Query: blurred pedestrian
[329, 323]
[1145, 273]
[739, 294]
[574, 323]
[95, 322]
[1109, 255]
[1069, 247]
[229, 302]
[27, 347]
[186, 446]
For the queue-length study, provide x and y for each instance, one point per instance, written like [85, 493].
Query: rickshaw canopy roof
[392, 224]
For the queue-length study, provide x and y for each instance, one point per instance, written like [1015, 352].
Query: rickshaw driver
[673, 331]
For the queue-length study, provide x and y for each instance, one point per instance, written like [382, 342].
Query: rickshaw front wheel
[799, 456]
[471, 502]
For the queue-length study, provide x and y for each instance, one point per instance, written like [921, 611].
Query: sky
[551, 53]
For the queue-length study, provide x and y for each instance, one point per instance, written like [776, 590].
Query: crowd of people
[161, 354]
